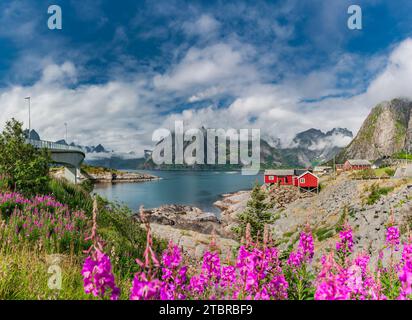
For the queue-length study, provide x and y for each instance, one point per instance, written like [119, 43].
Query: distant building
[356, 164]
[322, 169]
[293, 177]
[403, 172]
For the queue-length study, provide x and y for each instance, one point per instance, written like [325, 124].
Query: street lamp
[28, 100]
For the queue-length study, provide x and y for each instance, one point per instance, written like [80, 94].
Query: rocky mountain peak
[386, 130]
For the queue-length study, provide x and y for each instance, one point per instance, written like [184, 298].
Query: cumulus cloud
[112, 113]
[259, 90]
[205, 25]
[280, 111]
[207, 66]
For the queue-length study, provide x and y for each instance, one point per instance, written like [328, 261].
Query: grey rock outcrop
[386, 130]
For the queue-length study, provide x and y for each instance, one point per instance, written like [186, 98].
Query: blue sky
[120, 69]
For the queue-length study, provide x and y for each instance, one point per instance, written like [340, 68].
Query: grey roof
[322, 168]
[299, 172]
[280, 172]
[359, 162]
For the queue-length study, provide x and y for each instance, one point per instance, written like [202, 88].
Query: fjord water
[196, 188]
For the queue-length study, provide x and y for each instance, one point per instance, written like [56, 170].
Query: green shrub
[23, 168]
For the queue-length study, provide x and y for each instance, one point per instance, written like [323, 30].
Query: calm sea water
[195, 188]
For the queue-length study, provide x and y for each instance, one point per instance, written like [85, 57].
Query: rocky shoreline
[190, 228]
[130, 177]
[108, 176]
[193, 229]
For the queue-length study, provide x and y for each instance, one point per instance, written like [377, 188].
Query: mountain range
[308, 148]
[386, 131]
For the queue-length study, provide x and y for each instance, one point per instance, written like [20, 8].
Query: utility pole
[28, 100]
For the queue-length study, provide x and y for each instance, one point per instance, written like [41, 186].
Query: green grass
[341, 222]
[324, 233]
[25, 275]
[386, 171]
[376, 192]
[402, 155]
[77, 197]
[364, 174]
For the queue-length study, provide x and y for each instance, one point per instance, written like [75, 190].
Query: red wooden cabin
[299, 178]
[356, 164]
[282, 177]
[306, 180]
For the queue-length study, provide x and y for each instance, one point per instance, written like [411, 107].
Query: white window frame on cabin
[302, 180]
[271, 177]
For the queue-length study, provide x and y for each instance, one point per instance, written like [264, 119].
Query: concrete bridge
[69, 156]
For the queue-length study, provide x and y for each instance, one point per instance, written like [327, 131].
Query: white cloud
[279, 112]
[205, 67]
[123, 114]
[205, 25]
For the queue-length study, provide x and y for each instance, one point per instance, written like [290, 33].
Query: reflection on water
[196, 188]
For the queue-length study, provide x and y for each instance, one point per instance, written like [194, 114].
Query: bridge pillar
[71, 174]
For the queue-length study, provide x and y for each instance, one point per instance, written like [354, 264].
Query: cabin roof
[280, 172]
[322, 168]
[308, 172]
[359, 162]
[299, 172]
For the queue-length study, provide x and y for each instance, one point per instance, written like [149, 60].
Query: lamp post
[65, 124]
[28, 100]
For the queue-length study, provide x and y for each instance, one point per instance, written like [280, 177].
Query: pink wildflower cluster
[14, 199]
[345, 245]
[98, 277]
[42, 219]
[304, 252]
[354, 282]
[392, 237]
[174, 274]
[258, 274]
[405, 271]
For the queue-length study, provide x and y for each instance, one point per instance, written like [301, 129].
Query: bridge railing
[42, 144]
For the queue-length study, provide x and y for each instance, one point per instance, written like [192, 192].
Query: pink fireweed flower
[304, 252]
[295, 259]
[172, 257]
[197, 284]
[392, 237]
[331, 281]
[345, 244]
[228, 278]
[405, 272]
[362, 261]
[144, 289]
[211, 265]
[98, 278]
[173, 274]
[306, 245]
[260, 275]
